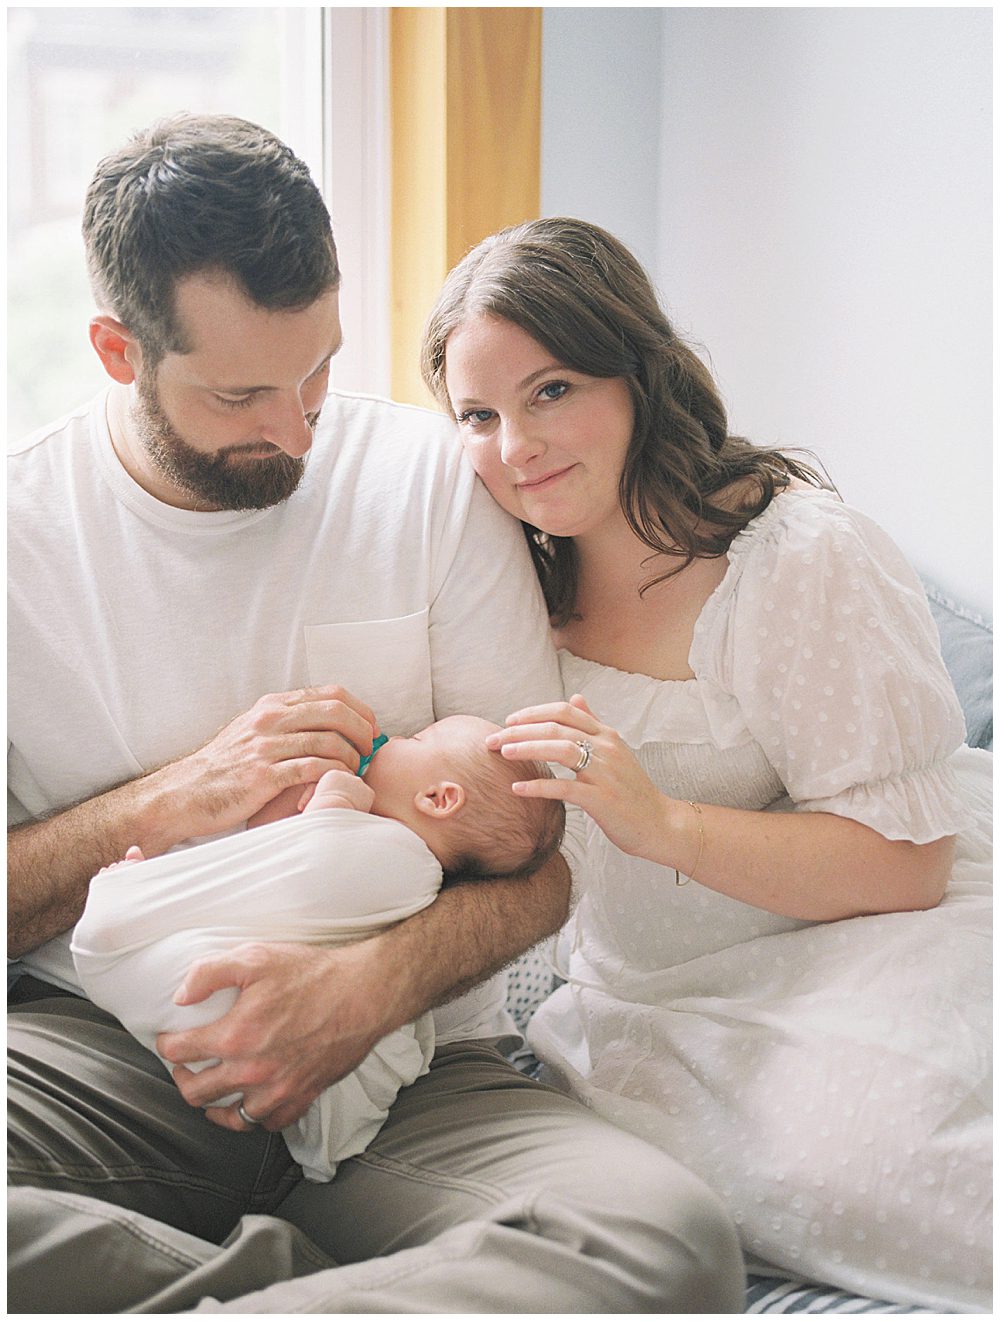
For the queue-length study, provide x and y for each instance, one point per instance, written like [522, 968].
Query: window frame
[355, 186]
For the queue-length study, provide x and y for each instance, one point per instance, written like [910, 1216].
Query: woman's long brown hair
[581, 294]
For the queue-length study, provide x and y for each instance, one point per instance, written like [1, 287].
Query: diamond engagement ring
[586, 752]
[247, 1119]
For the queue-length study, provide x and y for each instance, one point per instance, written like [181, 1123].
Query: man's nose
[287, 425]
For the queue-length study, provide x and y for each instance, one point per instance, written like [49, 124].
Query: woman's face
[548, 442]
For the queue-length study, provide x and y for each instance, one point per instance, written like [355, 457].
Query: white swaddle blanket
[328, 877]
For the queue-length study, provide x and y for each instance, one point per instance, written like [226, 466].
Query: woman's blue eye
[553, 390]
[475, 417]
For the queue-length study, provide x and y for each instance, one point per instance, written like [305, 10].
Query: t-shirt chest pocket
[384, 662]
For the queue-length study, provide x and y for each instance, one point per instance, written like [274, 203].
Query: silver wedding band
[247, 1119]
[586, 752]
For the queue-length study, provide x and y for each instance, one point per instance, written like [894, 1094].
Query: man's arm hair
[284, 739]
[50, 861]
[471, 931]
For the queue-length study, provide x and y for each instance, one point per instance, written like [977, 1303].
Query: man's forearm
[50, 862]
[471, 931]
[284, 740]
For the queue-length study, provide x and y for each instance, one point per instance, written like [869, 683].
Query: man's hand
[304, 1018]
[285, 739]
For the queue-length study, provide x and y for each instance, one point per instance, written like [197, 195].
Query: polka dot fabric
[830, 1081]
[530, 980]
[822, 637]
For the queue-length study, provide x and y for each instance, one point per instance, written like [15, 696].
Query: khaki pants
[484, 1192]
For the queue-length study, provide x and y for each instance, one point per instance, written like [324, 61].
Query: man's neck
[133, 458]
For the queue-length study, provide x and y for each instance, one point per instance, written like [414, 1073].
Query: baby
[362, 854]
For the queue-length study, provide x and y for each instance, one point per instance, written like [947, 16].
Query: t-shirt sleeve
[834, 660]
[491, 645]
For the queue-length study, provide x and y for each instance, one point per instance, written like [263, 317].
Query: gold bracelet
[701, 845]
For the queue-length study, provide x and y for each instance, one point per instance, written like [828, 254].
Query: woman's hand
[613, 788]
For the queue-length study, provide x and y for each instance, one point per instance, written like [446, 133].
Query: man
[197, 537]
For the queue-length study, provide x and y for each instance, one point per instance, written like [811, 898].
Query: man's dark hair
[203, 193]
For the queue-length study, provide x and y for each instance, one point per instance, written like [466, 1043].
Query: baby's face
[405, 766]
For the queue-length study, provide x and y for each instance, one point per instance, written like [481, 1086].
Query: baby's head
[448, 787]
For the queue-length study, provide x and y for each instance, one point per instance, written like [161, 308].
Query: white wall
[601, 115]
[821, 223]
[825, 231]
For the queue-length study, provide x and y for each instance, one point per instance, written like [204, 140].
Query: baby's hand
[133, 854]
[341, 789]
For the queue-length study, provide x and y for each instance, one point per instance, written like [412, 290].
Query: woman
[779, 967]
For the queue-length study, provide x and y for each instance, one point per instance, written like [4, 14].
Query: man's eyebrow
[263, 389]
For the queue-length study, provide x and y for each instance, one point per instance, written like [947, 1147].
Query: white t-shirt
[137, 630]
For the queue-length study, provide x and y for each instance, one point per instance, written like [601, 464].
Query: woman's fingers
[566, 751]
[566, 791]
[556, 789]
[580, 703]
[565, 733]
[569, 715]
[548, 731]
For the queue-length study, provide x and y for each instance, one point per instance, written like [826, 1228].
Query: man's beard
[220, 480]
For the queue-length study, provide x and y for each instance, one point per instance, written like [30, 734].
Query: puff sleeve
[827, 645]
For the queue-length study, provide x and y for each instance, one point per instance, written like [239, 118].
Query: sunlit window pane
[80, 80]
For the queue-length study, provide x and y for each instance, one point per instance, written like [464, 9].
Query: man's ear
[118, 351]
[440, 801]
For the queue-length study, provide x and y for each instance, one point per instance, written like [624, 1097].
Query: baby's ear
[440, 801]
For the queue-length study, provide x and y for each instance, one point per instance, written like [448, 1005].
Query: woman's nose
[518, 445]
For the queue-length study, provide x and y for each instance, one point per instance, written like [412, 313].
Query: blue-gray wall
[811, 192]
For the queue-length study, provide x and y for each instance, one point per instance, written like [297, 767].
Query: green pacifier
[366, 761]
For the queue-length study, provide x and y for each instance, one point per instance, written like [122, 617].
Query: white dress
[831, 1081]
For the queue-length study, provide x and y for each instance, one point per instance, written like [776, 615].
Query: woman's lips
[539, 483]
